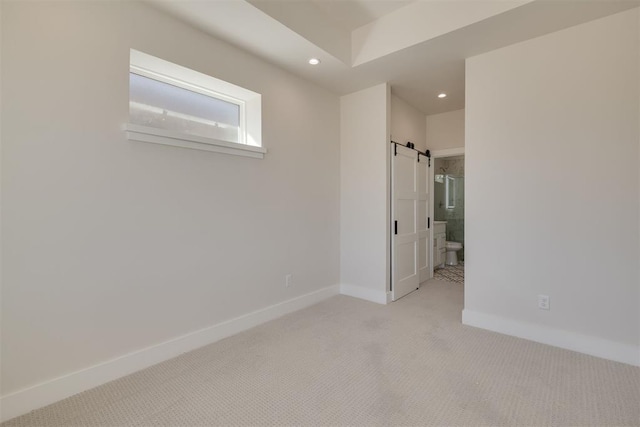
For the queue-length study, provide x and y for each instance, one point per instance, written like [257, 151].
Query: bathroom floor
[450, 273]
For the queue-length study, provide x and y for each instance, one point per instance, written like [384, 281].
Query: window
[173, 105]
[165, 106]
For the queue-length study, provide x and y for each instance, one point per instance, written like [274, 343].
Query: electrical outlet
[543, 302]
[288, 280]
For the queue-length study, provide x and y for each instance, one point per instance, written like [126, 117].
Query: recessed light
[314, 61]
[442, 95]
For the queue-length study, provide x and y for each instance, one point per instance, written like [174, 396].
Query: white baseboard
[379, 297]
[26, 400]
[593, 346]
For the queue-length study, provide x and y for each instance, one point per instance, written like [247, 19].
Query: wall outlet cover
[543, 302]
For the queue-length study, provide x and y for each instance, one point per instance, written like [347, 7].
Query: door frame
[438, 154]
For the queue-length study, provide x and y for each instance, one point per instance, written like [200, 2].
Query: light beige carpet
[351, 362]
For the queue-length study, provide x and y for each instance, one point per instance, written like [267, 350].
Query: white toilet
[452, 255]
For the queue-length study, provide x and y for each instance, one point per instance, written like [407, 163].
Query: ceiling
[352, 14]
[418, 46]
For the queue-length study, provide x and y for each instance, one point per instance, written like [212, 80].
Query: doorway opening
[448, 237]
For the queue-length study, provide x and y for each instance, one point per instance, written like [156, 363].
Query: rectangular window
[172, 105]
[165, 106]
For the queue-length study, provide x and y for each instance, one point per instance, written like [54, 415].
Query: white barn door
[405, 234]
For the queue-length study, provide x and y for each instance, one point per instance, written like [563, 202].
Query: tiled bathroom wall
[453, 167]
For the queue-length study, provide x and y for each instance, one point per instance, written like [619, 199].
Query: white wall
[552, 141]
[1, 185]
[110, 245]
[364, 204]
[407, 124]
[445, 130]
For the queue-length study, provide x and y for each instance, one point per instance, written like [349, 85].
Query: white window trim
[250, 104]
[179, 139]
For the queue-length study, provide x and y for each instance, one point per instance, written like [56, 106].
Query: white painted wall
[407, 123]
[110, 246]
[445, 130]
[552, 141]
[1, 185]
[364, 189]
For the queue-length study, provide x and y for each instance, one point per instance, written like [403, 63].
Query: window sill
[177, 139]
